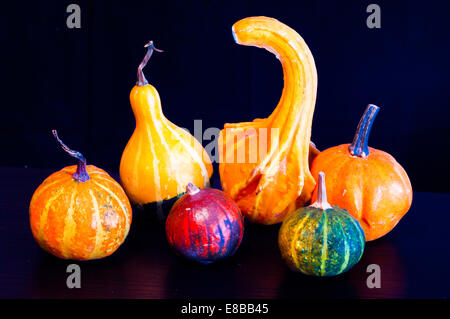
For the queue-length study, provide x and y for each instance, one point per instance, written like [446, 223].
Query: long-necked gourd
[274, 182]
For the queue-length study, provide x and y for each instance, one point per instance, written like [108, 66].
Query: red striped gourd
[205, 225]
[80, 212]
[160, 158]
[321, 240]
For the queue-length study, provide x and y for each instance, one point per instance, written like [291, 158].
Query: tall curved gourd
[274, 182]
[160, 158]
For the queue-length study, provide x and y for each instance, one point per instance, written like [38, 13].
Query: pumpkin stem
[191, 189]
[359, 146]
[141, 77]
[81, 174]
[321, 201]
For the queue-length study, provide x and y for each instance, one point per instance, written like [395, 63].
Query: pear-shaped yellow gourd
[160, 158]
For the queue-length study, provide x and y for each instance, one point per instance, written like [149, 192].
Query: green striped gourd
[321, 240]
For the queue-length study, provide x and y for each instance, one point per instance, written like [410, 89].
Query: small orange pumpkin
[369, 183]
[80, 212]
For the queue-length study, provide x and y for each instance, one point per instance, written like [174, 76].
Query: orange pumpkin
[264, 164]
[80, 212]
[160, 158]
[367, 182]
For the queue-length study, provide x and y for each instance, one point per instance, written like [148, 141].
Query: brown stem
[191, 189]
[81, 174]
[321, 201]
[140, 75]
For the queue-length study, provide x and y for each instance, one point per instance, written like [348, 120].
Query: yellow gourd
[160, 158]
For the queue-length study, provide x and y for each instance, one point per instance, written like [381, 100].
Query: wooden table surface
[414, 259]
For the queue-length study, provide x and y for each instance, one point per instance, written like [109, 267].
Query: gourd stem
[81, 174]
[321, 201]
[191, 189]
[359, 146]
[140, 75]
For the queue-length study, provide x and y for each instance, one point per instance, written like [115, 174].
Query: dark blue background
[78, 80]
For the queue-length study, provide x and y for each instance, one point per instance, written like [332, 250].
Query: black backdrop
[78, 80]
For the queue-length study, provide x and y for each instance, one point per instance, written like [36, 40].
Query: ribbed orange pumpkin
[367, 182]
[80, 212]
[271, 177]
[160, 158]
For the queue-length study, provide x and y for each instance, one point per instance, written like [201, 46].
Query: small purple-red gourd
[205, 225]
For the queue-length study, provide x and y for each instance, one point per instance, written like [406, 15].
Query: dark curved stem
[81, 174]
[140, 75]
[321, 201]
[359, 146]
[191, 189]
